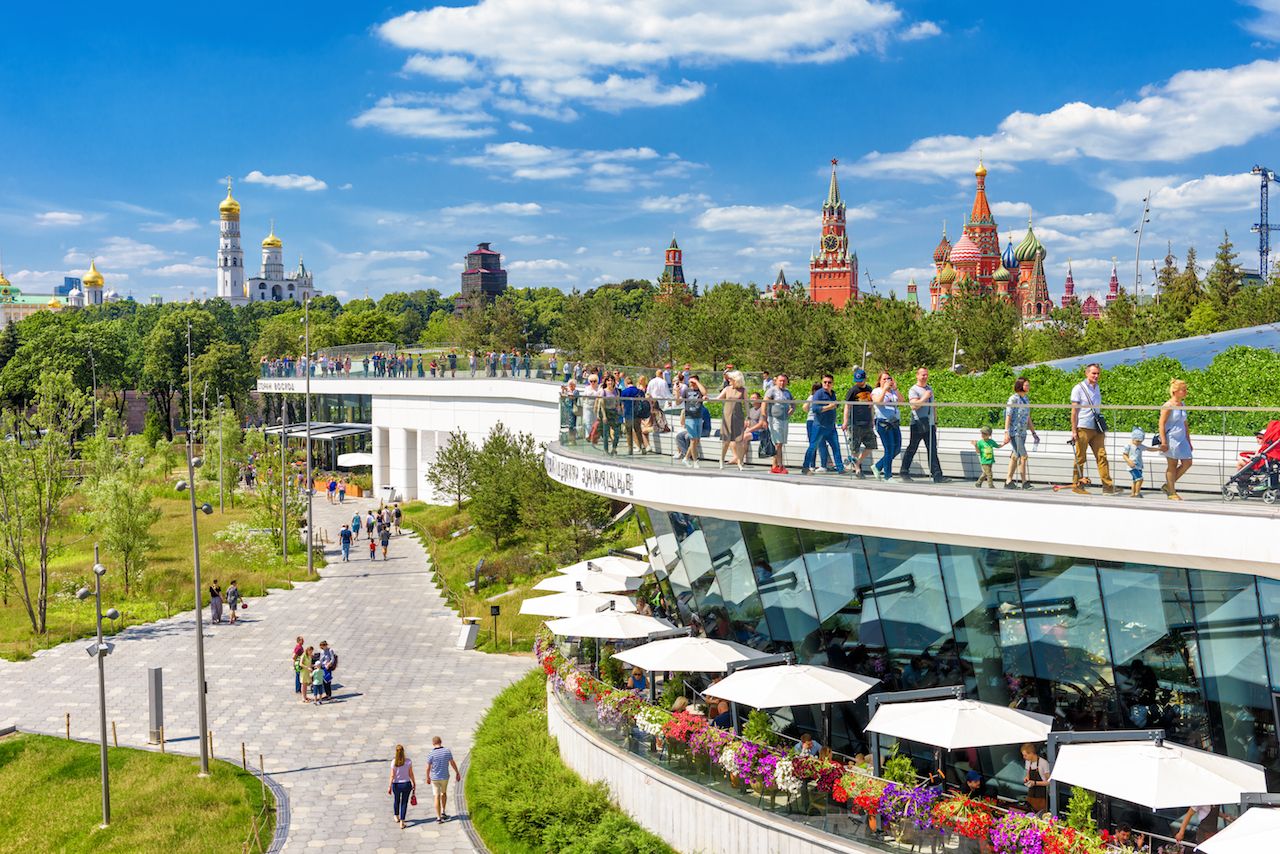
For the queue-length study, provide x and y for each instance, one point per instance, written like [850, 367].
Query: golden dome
[272, 242]
[981, 171]
[55, 303]
[4, 283]
[92, 279]
[230, 208]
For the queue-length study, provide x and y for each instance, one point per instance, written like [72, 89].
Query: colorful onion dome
[230, 208]
[965, 251]
[981, 171]
[1001, 274]
[92, 279]
[1030, 246]
[1010, 260]
[944, 249]
[948, 275]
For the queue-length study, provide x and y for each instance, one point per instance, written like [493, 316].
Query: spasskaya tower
[833, 270]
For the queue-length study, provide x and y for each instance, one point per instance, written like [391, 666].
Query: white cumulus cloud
[601, 169]
[182, 270]
[59, 218]
[286, 182]
[387, 255]
[446, 67]
[425, 117]
[1215, 107]
[539, 265]
[173, 226]
[484, 208]
[682, 203]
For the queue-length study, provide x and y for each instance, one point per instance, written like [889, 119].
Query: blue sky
[577, 136]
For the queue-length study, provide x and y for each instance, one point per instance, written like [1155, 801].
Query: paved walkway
[400, 679]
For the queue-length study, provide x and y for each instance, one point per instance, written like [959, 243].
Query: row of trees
[507, 490]
[125, 346]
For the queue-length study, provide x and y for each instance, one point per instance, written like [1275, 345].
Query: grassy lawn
[53, 801]
[519, 564]
[524, 800]
[164, 588]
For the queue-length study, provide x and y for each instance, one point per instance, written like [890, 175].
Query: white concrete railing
[1207, 534]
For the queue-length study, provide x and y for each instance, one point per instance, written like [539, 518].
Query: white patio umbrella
[1256, 830]
[611, 565]
[572, 604]
[1161, 776]
[693, 655]
[610, 625]
[352, 460]
[791, 685]
[952, 723]
[591, 582]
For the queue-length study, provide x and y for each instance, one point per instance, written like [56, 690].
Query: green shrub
[523, 799]
[759, 728]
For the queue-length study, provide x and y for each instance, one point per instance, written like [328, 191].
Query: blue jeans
[811, 430]
[297, 682]
[823, 438]
[890, 433]
[346, 551]
[400, 793]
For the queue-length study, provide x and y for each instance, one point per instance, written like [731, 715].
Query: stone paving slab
[399, 679]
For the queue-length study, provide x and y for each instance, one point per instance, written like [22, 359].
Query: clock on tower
[833, 272]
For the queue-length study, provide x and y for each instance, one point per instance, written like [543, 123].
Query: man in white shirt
[924, 428]
[659, 393]
[1089, 431]
[589, 395]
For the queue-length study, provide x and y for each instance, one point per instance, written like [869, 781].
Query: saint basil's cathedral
[975, 261]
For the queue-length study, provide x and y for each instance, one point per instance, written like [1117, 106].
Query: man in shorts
[438, 763]
[778, 408]
[858, 423]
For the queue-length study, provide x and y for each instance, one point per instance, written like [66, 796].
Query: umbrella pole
[826, 725]
[733, 710]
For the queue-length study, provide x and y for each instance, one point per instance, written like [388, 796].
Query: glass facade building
[1096, 644]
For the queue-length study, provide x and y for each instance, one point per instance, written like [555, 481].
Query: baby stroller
[1259, 474]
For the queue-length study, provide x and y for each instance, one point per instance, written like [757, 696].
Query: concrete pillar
[404, 462]
[381, 459]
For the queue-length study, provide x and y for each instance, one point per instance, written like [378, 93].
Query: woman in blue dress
[1175, 441]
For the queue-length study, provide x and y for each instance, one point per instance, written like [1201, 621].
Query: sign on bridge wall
[590, 476]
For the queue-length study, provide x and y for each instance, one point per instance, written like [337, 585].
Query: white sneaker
[697, 464]
[688, 463]
[820, 470]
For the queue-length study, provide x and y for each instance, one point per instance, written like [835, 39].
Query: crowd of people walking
[603, 407]
[378, 527]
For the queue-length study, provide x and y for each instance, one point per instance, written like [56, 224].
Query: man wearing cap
[856, 421]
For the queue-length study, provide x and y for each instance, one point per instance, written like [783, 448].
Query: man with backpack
[328, 663]
[345, 538]
[632, 398]
[396, 516]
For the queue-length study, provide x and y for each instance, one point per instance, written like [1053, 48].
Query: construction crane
[1264, 228]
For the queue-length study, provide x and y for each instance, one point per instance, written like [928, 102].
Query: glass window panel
[1067, 635]
[1234, 666]
[779, 570]
[669, 553]
[913, 621]
[1269, 594]
[738, 615]
[1153, 643]
[991, 648]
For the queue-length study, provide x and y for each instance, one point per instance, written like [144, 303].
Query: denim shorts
[693, 426]
[1019, 442]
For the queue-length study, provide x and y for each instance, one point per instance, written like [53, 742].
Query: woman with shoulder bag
[402, 786]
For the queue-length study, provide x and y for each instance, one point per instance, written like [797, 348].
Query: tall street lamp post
[306, 320]
[100, 651]
[190, 486]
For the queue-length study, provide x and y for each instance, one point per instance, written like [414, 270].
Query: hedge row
[524, 800]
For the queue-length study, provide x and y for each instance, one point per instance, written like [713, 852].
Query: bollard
[115, 740]
[155, 703]
[68, 726]
[244, 762]
[211, 742]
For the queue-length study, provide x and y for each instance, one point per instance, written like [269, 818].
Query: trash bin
[467, 637]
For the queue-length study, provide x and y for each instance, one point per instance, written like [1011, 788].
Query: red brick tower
[833, 270]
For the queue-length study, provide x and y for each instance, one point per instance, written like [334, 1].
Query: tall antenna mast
[1263, 227]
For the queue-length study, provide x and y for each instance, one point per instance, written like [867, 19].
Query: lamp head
[206, 509]
[112, 614]
[196, 462]
[99, 569]
[83, 593]
[181, 486]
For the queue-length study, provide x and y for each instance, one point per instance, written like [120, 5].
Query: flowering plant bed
[907, 809]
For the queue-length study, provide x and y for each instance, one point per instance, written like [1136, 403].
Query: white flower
[784, 777]
[650, 720]
[729, 756]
